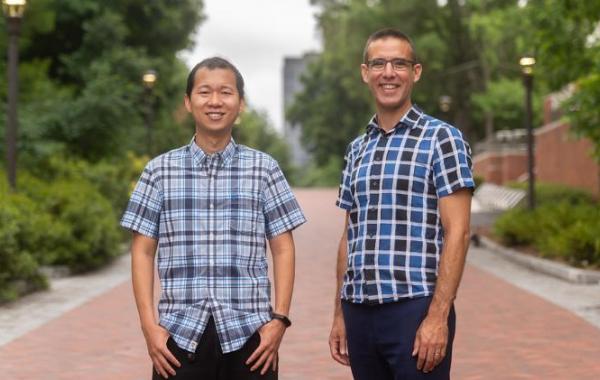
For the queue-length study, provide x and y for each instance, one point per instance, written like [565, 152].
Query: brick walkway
[503, 332]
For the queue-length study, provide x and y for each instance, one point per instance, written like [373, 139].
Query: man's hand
[265, 354]
[338, 344]
[162, 359]
[430, 343]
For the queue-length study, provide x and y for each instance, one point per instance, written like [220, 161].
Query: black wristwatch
[286, 321]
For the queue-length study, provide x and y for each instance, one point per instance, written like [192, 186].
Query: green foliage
[81, 69]
[567, 38]
[565, 226]
[327, 175]
[83, 233]
[469, 51]
[18, 266]
[255, 132]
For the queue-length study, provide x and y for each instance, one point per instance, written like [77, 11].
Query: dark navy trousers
[381, 338]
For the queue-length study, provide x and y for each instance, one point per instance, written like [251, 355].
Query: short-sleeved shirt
[391, 185]
[211, 215]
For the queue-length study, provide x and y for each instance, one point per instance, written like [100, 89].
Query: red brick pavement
[503, 332]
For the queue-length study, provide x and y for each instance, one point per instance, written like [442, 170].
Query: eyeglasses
[399, 64]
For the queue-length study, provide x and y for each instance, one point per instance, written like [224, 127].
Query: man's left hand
[430, 343]
[265, 354]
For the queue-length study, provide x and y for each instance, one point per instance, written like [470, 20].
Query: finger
[166, 366]
[421, 357]
[256, 354]
[260, 361]
[430, 361]
[417, 345]
[275, 362]
[343, 346]
[159, 369]
[267, 364]
[170, 357]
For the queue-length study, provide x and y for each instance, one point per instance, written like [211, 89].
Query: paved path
[504, 332]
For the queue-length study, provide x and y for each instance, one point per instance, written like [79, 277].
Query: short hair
[386, 33]
[213, 63]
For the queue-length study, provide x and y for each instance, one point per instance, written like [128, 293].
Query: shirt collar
[409, 120]
[200, 157]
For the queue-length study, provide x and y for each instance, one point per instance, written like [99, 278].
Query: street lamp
[527, 64]
[149, 80]
[445, 103]
[13, 10]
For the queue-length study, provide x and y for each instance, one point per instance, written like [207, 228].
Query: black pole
[149, 119]
[13, 24]
[528, 81]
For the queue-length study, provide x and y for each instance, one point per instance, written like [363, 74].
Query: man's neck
[212, 143]
[388, 118]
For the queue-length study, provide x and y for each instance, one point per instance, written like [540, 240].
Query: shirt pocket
[248, 247]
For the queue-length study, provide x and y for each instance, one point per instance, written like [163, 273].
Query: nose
[388, 69]
[214, 99]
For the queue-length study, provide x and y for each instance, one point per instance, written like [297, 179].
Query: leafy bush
[84, 232]
[18, 266]
[565, 226]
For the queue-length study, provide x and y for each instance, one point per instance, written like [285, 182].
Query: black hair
[385, 33]
[211, 64]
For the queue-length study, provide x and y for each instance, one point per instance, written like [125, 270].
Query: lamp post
[445, 102]
[149, 79]
[13, 10]
[527, 64]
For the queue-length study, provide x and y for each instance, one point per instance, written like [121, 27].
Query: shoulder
[256, 158]
[167, 160]
[441, 130]
[355, 144]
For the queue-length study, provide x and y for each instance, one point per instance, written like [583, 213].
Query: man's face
[391, 85]
[214, 101]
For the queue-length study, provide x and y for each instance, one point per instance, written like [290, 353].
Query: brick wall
[564, 159]
[500, 166]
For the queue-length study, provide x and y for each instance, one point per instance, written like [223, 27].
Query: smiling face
[391, 87]
[214, 101]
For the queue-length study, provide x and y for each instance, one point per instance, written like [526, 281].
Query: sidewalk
[503, 330]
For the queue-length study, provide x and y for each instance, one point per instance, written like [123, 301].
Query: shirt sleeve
[281, 210]
[143, 211]
[345, 199]
[451, 162]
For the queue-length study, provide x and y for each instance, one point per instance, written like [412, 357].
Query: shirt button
[374, 184]
[211, 236]
[212, 205]
[378, 156]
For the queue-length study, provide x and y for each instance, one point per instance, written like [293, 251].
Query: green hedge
[565, 226]
[18, 265]
[65, 212]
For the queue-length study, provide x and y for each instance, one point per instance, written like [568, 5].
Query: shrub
[18, 266]
[565, 226]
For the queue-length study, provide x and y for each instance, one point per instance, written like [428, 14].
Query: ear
[242, 107]
[364, 72]
[417, 68]
[188, 103]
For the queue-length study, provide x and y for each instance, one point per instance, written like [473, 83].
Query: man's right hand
[338, 345]
[162, 358]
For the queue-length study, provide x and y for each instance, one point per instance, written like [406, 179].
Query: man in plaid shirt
[406, 189]
[209, 207]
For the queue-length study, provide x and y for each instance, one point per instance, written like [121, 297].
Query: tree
[567, 40]
[82, 63]
[255, 132]
[469, 50]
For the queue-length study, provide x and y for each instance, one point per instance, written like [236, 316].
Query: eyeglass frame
[407, 62]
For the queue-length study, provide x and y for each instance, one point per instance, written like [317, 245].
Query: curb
[552, 268]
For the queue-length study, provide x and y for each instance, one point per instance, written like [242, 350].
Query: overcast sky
[256, 36]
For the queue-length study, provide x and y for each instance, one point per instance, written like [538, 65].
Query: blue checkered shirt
[211, 215]
[390, 186]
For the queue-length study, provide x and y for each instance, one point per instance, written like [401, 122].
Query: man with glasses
[406, 188]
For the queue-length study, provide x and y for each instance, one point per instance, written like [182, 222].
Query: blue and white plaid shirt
[211, 215]
[390, 186]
